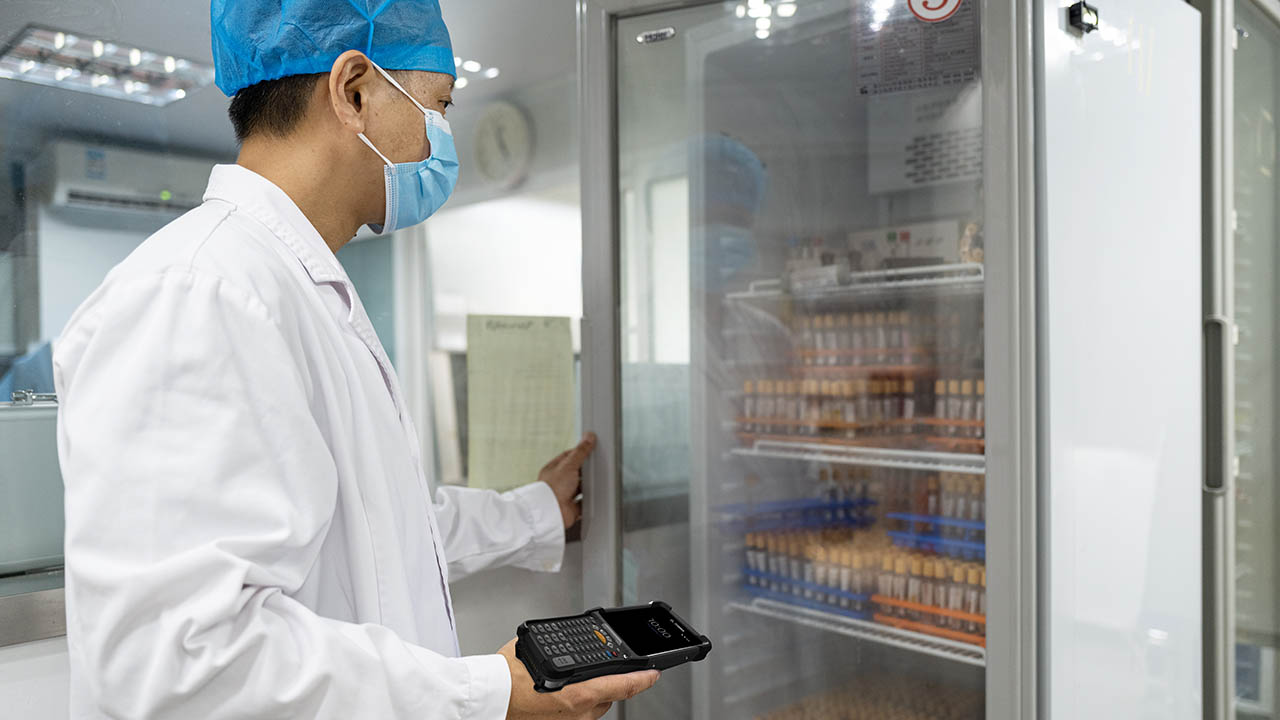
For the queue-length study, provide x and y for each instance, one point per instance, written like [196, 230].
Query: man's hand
[587, 700]
[564, 475]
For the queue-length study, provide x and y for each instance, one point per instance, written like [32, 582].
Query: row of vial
[886, 338]
[949, 496]
[867, 564]
[844, 408]
[877, 696]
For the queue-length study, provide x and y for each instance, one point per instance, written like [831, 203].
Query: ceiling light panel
[62, 59]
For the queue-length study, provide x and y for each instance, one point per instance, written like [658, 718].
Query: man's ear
[349, 83]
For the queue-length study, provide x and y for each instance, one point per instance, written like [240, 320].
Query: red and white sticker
[933, 10]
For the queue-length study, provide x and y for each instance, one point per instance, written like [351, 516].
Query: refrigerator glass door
[1257, 104]
[800, 196]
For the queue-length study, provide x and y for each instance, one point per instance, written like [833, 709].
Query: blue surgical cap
[257, 40]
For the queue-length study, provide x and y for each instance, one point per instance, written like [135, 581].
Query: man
[250, 532]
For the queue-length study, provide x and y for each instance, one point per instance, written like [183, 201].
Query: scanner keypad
[575, 641]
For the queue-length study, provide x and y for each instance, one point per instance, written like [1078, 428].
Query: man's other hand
[564, 475]
[587, 700]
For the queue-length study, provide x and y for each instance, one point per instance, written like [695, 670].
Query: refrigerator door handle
[1219, 376]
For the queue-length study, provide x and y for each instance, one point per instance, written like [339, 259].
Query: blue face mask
[416, 190]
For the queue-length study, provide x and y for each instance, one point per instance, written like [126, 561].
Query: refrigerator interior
[802, 355]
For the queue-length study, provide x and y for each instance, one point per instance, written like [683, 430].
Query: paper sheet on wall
[520, 397]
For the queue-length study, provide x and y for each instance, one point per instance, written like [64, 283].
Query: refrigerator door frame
[1218, 511]
[1013, 558]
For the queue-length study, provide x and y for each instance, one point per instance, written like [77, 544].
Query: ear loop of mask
[399, 87]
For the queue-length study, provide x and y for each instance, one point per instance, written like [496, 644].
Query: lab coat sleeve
[484, 529]
[199, 489]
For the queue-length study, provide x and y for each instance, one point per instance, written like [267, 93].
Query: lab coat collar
[268, 204]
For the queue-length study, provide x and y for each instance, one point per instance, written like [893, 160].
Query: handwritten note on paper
[519, 397]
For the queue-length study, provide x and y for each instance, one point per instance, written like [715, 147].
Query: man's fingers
[578, 455]
[558, 459]
[613, 688]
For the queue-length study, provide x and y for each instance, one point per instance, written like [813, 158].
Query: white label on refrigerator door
[925, 138]
[907, 46]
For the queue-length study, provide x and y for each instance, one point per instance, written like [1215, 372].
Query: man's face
[397, 127]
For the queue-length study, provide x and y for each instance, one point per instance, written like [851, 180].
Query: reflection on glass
[1257, 102]
[110, 131]
[801, 333]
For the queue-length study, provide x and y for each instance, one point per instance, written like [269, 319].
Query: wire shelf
[866, 456]
[956, 276]
[864, 630]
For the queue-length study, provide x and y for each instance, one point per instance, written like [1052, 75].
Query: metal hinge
[31, 397]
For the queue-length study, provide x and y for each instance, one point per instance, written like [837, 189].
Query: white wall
[520, 255]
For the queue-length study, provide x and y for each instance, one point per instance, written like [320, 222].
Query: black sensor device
[564, 650]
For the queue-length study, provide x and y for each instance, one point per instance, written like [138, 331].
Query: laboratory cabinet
[893, 340]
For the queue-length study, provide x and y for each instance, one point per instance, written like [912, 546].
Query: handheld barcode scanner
[564, 650]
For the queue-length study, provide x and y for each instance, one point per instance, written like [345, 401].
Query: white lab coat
[250, 532]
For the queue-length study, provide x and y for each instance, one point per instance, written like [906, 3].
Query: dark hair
[271, 106]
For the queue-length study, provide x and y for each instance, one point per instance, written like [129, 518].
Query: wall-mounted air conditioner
[97, 177]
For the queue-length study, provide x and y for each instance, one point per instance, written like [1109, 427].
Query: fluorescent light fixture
[786, 9]
[492, 73]
[457, 61]
[471, 66]
[56, 58]
[762, 11]
[460, 83]
[740, 11]
[763, 23]
[762, 34]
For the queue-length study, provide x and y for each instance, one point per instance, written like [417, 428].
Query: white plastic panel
[1122, 361]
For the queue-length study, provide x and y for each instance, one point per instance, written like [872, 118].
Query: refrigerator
[893, 341]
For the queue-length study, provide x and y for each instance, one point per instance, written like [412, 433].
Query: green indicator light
[165, 195]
